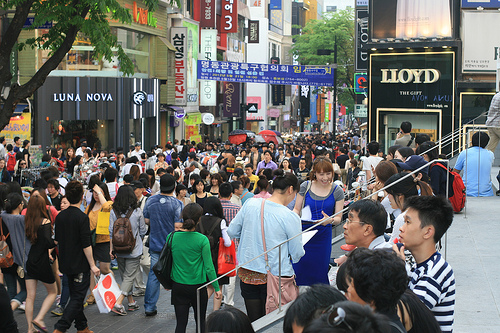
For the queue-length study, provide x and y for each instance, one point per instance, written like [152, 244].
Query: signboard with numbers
[179, 40]
[229, 16]
[321, 76]
[207, 14]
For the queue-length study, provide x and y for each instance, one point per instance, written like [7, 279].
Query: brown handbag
[287, 285]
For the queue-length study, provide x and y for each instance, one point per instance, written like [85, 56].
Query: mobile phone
[399, 245]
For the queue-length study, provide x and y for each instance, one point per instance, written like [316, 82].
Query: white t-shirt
[371, 161]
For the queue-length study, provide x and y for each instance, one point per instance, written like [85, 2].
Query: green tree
[69, 17]
[321, 35]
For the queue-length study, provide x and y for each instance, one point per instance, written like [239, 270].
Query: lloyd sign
[409, 75]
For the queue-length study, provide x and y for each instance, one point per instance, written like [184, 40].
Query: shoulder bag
[275, 284]
[163, 268]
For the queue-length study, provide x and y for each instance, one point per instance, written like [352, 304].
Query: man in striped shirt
[432, 279]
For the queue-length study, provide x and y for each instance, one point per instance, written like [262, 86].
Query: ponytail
[191, 214]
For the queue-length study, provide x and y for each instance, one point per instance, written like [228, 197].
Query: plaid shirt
[230, 210]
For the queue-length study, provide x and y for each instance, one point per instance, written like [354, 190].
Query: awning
[20, 108]
[171, 108]
[243, 10]
[167, 43]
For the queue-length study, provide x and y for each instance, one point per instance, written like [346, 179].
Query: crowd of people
[199, 195]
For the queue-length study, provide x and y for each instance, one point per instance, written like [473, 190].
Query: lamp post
[334, 66]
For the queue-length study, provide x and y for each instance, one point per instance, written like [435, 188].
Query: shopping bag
[102, 223]
[106, 292]
[226, 260]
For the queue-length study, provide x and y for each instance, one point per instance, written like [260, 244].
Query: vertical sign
[361, 40]
[208, 88]
[305, 98]
[231, 106]
[275, 4]
[277, 90]
[207, 14]
[229, 13]
[314, 106]
[253, 32]
[178, 37]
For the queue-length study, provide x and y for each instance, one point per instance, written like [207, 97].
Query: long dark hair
[12, 201]
[105, 191]
[407, 187]
[421, 318]
[125, 200]
[36, 212]
[213, 207]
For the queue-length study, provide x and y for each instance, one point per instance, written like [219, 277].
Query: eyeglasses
[336, 317]
[347, 222]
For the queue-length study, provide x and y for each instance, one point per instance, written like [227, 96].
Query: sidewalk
[472, 249]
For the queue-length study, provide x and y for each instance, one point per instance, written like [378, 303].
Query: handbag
[275, 284]
[163, 268]
[226, 261]
[102, 227]
[336, 169]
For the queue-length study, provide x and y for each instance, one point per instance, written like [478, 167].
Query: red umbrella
[237, 138]
[267, 132]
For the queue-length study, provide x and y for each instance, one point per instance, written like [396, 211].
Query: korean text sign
[229, 13]
[179, 40]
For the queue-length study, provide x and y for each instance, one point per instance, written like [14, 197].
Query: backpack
[123, 238]
[214, 243]
[11, 162]
[6, 258]
[457, 197]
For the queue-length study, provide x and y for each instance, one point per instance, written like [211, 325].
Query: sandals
[39, 327]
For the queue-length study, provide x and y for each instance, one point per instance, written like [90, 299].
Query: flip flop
[39, 327]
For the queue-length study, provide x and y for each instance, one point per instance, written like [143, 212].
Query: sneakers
[119, 310]
[58, 299]
[58, 311]
[22, 307]
[139, 292]
[151, 313]
[133, 306]
[91, 299]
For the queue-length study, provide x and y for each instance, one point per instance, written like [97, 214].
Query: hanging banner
[191, 51]
[275, 4]
[208, 88]
[305, 100]
[207, 14]
[231, 98]
[229, 16]
[178, 38]
[361, 59]
[320, 76]
[194, 118]
[253, 32]
[18, 126]
[313, 106]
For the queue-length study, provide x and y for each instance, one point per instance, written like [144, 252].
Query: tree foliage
[69, 17]
[321, 35]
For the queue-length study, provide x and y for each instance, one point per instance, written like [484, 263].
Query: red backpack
[11, 162]
[457, 197]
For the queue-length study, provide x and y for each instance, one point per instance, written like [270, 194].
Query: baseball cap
[414, 162]
[137, 184]
[137, 144]
[167, 183]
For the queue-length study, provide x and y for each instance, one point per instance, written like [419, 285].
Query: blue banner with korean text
[319, 76]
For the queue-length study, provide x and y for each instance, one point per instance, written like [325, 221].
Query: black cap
[137, 184]
[167, 183]
[193, 155]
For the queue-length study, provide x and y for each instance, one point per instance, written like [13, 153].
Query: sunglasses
[22, 163]
[336, 317]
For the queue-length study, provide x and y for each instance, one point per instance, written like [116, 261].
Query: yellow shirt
[253, 179]
[94, 215]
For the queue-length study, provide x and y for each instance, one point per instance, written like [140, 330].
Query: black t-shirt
[56, 202]
[72, 232]
[26, 152]
[294, 161]
[341, 159]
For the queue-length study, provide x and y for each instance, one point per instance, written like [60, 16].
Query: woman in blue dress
[322, 198]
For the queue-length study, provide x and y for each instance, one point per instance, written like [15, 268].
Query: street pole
[334, 111]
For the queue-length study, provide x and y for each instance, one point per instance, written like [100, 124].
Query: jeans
[78, 286]
[11, 283]
[64, 291]
[153, 285]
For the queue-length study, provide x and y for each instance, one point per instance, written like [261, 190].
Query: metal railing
[410, 174]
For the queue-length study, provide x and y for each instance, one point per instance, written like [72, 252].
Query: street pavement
[472, 248]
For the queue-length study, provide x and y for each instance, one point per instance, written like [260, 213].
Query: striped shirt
[230, 210]
[434, 283]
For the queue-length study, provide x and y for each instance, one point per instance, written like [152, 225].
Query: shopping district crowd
[209, 195]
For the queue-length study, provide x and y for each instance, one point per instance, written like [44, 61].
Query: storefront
[414, 86]
[109, 112]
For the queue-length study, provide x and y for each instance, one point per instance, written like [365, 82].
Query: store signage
[360, 111]
[360, 83]
[275, 4]
[139, 97]
[90, 97]
[479, 3]
[229, 13]
[274, 113]
[409, 75]
[252, 107]
[29, 22]
[305, 96]
[276, 21]
[208, 88]
[207, 14]
[143, 16]
[253, 118]
[179, 40]
[231, 98]
[321, 76]
[208, 118]
[481, 49]
[179, 114]
[361, 40]
[256, 3]
[429, 88]
[410, 19]
[254, 100]
[253, 32]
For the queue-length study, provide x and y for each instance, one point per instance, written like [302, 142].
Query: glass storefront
[67, 133]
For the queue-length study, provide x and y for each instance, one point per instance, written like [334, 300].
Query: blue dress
[313, 266]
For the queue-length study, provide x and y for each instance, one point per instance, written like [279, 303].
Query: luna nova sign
[410, 75]
[92, 97]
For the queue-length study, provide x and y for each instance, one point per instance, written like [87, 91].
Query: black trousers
[7, 321]
[78, 286]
